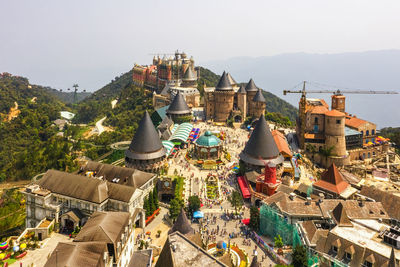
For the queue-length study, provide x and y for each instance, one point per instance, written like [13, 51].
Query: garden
[12, 211]
[212, 187]
[11, 253]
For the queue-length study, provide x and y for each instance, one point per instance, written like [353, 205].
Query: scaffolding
[273, 224]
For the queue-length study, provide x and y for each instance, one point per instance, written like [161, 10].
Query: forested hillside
[98, 104]
[67, 97]
[28, 142]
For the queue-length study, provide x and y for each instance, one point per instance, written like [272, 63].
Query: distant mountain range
[372, 70]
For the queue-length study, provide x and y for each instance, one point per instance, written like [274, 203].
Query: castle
[168, 76]
[334, 136]
[228, 100]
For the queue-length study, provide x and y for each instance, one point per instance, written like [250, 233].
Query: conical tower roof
[146, 143]
[189, 75]
[178, 105]
[254, 262]
[259, 97]
[231, 80]
[182, 224]
[242, 90]
[340, 215]
[224, 83]
[392, 259]
[261, 146]
[251, 86]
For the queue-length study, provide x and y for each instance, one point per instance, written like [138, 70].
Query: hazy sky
[58, 43]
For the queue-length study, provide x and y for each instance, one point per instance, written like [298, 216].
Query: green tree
[194, 204]
[146, 206]
[236, 200]
[151, 202]
[254, 218]
[174, 208]
[278, 241]
[326, 152]
[299, 256]
[155, 197]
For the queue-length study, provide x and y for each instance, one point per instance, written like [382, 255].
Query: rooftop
[208, 140]
[224, 84]
[251, 86]
[178, 105]
[146, 143]
[332, 180]
[334, 113]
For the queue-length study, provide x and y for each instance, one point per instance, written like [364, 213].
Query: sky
[59, 43]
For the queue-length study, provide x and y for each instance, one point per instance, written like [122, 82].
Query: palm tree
[326, 152]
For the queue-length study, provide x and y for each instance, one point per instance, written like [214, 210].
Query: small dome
[208, 140]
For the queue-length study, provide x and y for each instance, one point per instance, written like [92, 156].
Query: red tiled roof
[281, 142]
[331, 180]
[334, 113]
[354, 121]
[319, 110]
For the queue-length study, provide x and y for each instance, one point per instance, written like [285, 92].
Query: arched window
[367, 132]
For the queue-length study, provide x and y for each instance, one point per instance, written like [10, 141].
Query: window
[367, 132]
[337, 121]
[335, 249]
[347, 256]
[366, 141]
[369, 154]
[367, 264]
[373, 132]
[315, 120]
[362, 132]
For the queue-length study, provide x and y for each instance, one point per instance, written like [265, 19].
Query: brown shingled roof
[104, 226]
[354, 122]
[331, 180]
[340, 216]
[389, 201]
[319, 110]
[78, 254]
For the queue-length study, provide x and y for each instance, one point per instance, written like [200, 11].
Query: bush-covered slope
[28, 142]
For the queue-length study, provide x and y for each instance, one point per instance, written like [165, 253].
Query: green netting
[272, 225]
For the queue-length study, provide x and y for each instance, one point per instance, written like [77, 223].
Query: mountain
[99, 103]
[29, 144]
[372, 70]
[67, 97]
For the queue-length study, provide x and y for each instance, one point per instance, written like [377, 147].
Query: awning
[244, 187]
[168, 146]
[198, 214]
[182, 132]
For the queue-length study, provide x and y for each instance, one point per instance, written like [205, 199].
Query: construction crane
[337, 91]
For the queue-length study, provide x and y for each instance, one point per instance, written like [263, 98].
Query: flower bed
[151, 217]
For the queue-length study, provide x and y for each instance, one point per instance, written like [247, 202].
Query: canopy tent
[244, 187]
[182, 132]
[168, 145]
[246, 221]
[198, 214]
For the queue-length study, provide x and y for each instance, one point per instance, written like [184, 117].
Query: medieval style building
[146, 151]
[228, 101]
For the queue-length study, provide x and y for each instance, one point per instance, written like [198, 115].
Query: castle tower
[146, 151]
[251, 90]
[259, 104]
[334, 137]
[261, 147]
[224, 96]
[339, 102]
[301, 122]
[189, 79]
[178, 110]
[242, 101]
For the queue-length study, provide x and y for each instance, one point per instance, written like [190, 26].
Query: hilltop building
[178, 110]
[344, 135]
[107, 239]
[71, 198]
[227, 100]
[146, 152]
[260, 152]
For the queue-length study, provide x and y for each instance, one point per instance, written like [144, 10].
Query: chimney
[308, 201]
